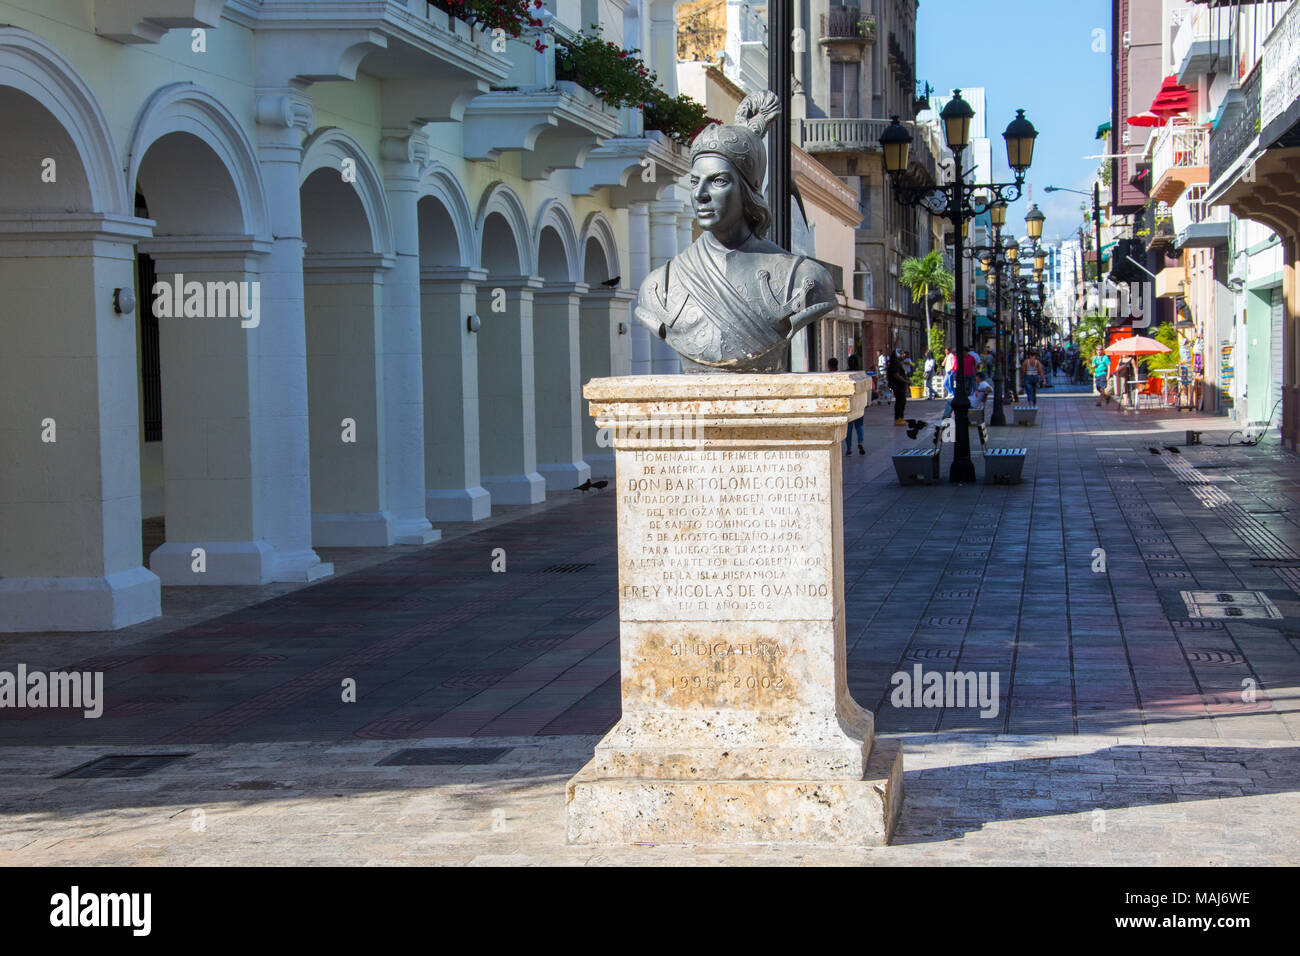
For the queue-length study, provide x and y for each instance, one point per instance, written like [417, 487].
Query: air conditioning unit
[1127, 40]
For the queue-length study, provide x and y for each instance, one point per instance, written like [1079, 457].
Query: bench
[1004, 465]
[917, 464]
[1026, 414]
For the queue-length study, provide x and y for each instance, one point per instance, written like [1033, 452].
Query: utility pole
[1096, 223]
[780, 67]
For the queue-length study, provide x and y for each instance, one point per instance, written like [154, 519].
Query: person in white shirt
[981, 393]
[929, 374]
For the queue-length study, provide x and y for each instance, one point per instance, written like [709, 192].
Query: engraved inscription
[710, 531]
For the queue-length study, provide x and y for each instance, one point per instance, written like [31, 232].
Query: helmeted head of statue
[727, 168]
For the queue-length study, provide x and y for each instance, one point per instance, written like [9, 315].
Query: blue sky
[1037, 56]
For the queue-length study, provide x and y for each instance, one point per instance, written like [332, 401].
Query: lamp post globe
[1034, 220]
[895, 141]
[1020, 135]
[956, 116]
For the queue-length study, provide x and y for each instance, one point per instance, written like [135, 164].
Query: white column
[404, 152]
[451, 430]
[344, 305]
[638, 241]
[217, 478]
[70, 428]
[605, 324]
[507, 393]
[278, 385]
[663, 246]
[558, 385]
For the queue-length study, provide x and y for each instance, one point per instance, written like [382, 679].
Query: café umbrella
[1136, 345]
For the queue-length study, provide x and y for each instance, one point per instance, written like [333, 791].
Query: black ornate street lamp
[958, 202]
[993, 259]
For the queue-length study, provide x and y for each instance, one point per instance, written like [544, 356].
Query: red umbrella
[1146, 118]
[1137, 345]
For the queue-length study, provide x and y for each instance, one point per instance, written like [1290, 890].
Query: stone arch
[500, 199]
[328, 148]
[441, 184]
[596, 229]
[188, 108]
[31, 65]
[554, 216]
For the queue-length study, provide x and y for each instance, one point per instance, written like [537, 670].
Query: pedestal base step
[623, 810]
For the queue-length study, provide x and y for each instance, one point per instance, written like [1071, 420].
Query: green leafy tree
[1089, 333]
[1165, 334]
[924, 276]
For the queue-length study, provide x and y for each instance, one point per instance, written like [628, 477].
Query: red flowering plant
[612, 73]
[621, 78]
[512, 16]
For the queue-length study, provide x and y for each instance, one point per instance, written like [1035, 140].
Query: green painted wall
[1258, 348]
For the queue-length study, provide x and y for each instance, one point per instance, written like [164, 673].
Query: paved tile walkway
[971, 799]
[1003, 580]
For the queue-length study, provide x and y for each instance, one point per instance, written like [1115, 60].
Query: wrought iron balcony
[1238, 126]
[848, 25]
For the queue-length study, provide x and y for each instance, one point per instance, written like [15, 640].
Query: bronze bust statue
[732, 301]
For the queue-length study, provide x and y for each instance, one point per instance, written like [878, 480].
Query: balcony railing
[1180, 147]
[1197, 224]
[1238, 128]
[836, 134]
[1180, 158]
[848, 23]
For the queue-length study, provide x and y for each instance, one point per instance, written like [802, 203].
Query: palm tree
[925, 275]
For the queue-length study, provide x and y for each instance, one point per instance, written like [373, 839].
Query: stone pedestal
[737, 722]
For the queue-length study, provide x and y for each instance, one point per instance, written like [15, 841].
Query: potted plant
[918, 380]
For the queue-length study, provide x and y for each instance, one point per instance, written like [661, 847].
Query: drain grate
[123, 765]
[443, 756]
[1197, 625]
[1221, 658]
[1229, 604]
[573, 568]
[930, 653]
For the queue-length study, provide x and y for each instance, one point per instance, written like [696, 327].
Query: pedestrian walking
[854, 365]
[1033, 372]
[882, 373]
[1100, 373]
[898, 384]
[929, 373]
[949, 374]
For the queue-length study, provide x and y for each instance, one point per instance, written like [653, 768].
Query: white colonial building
[384, 249]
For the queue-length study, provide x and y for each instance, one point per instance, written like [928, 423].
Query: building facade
[287, 276]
